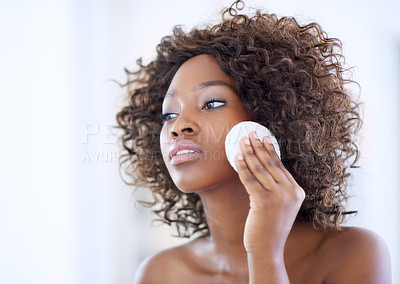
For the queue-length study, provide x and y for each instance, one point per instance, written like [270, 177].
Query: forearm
[266, 270]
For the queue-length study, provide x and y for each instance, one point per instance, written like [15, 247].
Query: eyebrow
[206, 85]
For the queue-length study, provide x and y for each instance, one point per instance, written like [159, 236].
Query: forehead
[197, 70]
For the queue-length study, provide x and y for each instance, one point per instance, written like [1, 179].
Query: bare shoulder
[356, 255]
[158, 268]
[167, 266]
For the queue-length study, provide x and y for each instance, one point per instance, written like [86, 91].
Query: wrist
[266, 251]
[265, 258]
[266, 268]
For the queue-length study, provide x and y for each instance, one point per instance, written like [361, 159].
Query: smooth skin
[254, 235]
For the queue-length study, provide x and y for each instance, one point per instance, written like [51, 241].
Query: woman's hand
[275, 198]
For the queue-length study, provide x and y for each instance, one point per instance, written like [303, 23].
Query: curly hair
[290, 77]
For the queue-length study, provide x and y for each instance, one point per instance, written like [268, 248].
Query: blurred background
[65, 214]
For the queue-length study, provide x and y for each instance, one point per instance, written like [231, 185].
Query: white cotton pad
[243, 129]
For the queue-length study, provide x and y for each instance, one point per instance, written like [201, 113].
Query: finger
[271, 149]
[250, 182]
[255, 166]
[268, 159]
[298, 192]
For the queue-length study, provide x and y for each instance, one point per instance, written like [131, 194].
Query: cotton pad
[243, 129]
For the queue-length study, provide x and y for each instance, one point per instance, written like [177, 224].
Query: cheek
[215, 132]
[214, 142]
[164, 143]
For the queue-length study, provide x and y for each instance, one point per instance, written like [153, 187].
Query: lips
[184, 151]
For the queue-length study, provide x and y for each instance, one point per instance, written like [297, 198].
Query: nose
[184, 125]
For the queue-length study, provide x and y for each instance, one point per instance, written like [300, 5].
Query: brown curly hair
[288, 76]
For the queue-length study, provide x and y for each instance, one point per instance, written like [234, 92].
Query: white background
[65, 214]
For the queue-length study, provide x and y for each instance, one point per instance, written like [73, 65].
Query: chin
[192, 183]
[204, 178]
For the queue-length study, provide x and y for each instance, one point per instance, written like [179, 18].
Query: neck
[226, 208]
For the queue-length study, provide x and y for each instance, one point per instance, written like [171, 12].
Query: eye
[167, 116]
[213, 103]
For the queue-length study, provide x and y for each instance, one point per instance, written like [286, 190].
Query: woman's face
[199, 109]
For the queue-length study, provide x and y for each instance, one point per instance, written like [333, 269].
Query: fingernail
[254, 134]
[246, 141]
[267, 139]
[240, 157]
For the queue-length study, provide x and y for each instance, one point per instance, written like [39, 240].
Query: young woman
[276, 220]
